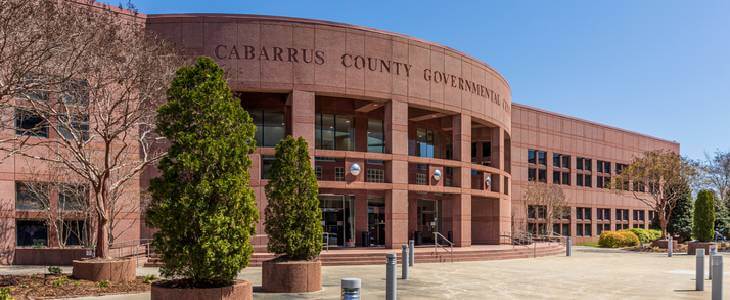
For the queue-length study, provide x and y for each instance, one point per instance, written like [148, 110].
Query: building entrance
[338, 220]
[428, 220]
[376, 222]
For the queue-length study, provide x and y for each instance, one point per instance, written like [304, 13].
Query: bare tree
[99, 122]
[658, 179]
[548, 200]
[62, 199]
[715, 174]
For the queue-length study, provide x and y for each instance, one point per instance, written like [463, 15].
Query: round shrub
[646, 235]
[618, 239]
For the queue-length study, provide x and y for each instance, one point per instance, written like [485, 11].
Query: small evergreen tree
[704, 216]
[293, 216]
[202, 203]
[681, 222]
[722, 218]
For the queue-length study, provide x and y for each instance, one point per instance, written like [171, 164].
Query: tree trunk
[663, 225]
[102, 238]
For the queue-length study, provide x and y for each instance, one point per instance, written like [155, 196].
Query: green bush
[293, 216]
[54, 270]
[646, 235]
[618, 239]
[149, 278]
[704, 216]
[103, 284]
[202, 204]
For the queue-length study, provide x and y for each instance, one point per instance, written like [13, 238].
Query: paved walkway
[594, 273]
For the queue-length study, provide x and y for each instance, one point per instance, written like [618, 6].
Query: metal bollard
[568, 246]
[411, 253]
[405, 260]
[716, 268]
[700, 269]
[670, 246]
[390, 280]
[713, 252]
[350, 288]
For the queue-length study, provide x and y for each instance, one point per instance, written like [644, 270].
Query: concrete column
[361, 216]
[396, 200]
[461, 138]
[505, 215]
[303, 113]
[498, 148]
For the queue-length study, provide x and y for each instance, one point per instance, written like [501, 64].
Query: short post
[350, 288]
[405, 260]
[713, 252]
[390, 280]
[670, 246]
[411, 253]
[568, 246]
[716, 268]
[700, 269]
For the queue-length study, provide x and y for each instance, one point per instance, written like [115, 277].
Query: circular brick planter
[692, 246]
[99, 269]
[292, 276]
[662, 244]
[240, 290]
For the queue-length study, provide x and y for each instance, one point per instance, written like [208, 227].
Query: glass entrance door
[428, 220]
[376, 222]
[338, 220]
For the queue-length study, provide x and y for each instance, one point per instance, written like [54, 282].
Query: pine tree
[202, 203]
[681, 222]
[704, 216]
[293, 216]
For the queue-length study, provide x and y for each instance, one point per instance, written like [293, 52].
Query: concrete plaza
[594, 273]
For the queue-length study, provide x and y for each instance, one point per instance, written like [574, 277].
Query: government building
[410, 140]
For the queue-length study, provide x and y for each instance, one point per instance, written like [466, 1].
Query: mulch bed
[48, 286]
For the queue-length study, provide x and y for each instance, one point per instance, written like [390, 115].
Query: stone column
[461, 203]
[302, 117]
[396, 200]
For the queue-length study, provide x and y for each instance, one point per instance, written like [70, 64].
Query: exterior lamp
[488, 181]
[437, 175]
[355, 169]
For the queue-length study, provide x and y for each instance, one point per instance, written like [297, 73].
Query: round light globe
[355, 169]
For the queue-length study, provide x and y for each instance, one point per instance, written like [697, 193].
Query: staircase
[348, 257]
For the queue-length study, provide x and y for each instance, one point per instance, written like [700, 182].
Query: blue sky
[660, 67]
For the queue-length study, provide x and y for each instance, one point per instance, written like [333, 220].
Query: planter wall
[692, 246]
[662, 244]
[48, 256]
[240, 290]
[292, 276]
[111, 270]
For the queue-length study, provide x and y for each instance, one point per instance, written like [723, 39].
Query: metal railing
[326, 243]
[437, 245]
[141, 248]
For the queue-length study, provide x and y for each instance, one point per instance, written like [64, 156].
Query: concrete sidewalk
[591, 272]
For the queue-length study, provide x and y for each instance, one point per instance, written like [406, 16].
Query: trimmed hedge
[618, 239]
[646, 235]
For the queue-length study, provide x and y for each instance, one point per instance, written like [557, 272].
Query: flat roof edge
[594, 123]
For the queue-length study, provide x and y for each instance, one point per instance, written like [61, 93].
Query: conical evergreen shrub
[202, 203]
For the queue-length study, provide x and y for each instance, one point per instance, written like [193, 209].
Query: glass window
[73, 231]
[270, 127]
[75, 92]
[325, 131]
[486, 149]
[266, 163]
[376, 136]
[35, 88]
[28, 123]
[72, 197]
[31, 196]
[425, 143]
[531, 156]
[31, 233]
[77, 126]
[344, 133]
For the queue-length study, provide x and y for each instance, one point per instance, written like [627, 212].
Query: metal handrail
[436, 245]
[326, 244]
[142, 246]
